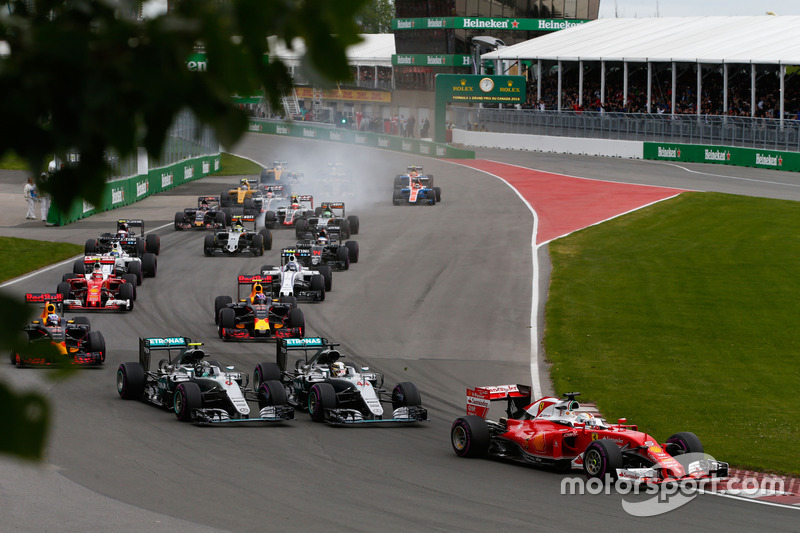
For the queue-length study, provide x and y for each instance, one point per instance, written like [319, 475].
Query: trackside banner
[723, 155]
[361, 138]
[126, 191]
[485, 23]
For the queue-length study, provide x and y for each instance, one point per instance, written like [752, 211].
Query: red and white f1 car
[557, 433]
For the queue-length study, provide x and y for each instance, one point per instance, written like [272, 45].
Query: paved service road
[440, 297]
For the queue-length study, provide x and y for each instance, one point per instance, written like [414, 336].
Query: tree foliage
[82, 77]
[376, 16]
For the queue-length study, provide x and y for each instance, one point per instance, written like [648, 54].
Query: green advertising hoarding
[723, 155]
[484, 23]
[431, 60]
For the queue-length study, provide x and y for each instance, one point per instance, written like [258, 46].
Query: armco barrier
[723, 155]
[360, 138]
[126, 191]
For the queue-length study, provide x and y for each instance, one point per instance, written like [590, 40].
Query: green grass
[237, 166]
[11, 161]
[21, 256]
[681, 317]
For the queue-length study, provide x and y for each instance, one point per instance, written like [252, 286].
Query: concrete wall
[541, 143]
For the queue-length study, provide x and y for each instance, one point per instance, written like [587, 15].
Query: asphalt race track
[441, 296]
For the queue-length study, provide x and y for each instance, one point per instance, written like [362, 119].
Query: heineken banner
[431, 60]
[723, 155]
[361, 138]
[481, 23]
[126, 191]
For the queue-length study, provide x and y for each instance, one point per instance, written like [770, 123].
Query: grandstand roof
[760, 40]
[375, 49]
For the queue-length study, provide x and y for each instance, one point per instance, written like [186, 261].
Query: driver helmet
[243, 181]
[237, 226]
[260, 298]
[202, 369]
[97, 274]
[291, 266]
[414, 174]
[338, 369]
[52, 319]
[114, 253]
[123, 228]
[322, 240]
[327, 213]
[585, 418]
[204, 204]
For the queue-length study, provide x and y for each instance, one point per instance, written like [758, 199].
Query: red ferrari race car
[557, 433]
[99, 289]
[53, 340]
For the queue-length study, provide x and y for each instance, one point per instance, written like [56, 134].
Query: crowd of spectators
[767, 104]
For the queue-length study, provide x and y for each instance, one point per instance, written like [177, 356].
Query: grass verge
[681, 317]
[237, 166]
[21, 256]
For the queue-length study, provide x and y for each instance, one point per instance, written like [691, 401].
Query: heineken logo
[254, 127]
[424, 149]
[206, 167]
[466, 60]
[197, 66]
[671, 153]
[557, 24]
[282, 130]
[440, 151]
[405, 60]
[216, 164]
[769, 160]
[87, 207]
[437, 23]
[406, 146]
[188, 173]
[166, 180]
[361, 139]
[405, 24]
[383, 142]
[117, 196]
[716, 155]
[142, 187]
[308, 132]
[489, 23]
[336, 136]
[435, 60]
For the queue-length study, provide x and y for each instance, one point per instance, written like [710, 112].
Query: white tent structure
[764, 40]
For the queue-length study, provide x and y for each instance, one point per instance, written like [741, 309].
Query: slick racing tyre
[227, 321]
[469, 436]
[297, 320]
[133, 280]
[130, 381]
[258, 245]
[320, 398]
[405, 394]
[601, 460]
[135, 269]
[343, 257]
[96, 343]
[327, 274]
[208, 245]
[267, 236]
[271, 393]
[265, 372]
[438, 192]
[152, 244]
[149, 264]
[187, 399]
[89, 248]
[354, 224]
[352, 247]
[126, 292]
[220, 302]
[179, 219]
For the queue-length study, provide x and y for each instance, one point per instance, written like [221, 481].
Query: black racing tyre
[354, 224]
[64, 289]
[187, 398]
[300, 227]
[400, 181]
[68, 276]
[405, 394]
[257, 245]
[220, 302]
[179, 219]
[317, 211]
[396, 198]
[318, 284]
[343, 257]
[469, 436]
[224, 199]
[431, 198]
[126, 293]
[140, 248]
[270, 219]
[135, 268]
[265, 372]
[96, 343]
[327, 274]
[685, 442]
[321, 397]
[438, 192]
[227, 318]
[79, 267]
[152, 243]
[297, 320]
[90, 247]
[601, 459]
[267, 236]
[208, 245]
[430, 180]
[130, 381]
[149, 265]
[248, 206]
[82, 320]
[220, 219]
[289, 300]
[344, 229]
[271, 393]
[352, 247]
[133, 280]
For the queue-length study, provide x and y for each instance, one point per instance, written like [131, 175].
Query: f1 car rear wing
[333, 205]
[250, 281]
[304, 198]
[243, 219]
[295, 251]
[207, 199]
[132, 223]
[308, 344]
[479, 399]
[174, 346]
[414, 168]
[53, 302]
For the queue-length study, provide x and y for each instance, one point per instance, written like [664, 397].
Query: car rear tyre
[343, 257]
[265, 372]
[271, 393]
[320, 398]
[405, 394]
[135, 268]
[126, 292]
[90, 247]
[289, 300]
[601, 460]
[267, 236]
[179, 219]
[96, 343]
[327, 274]
[130, 381]
[354, 224]
[149, 265]
[187, 399]
[300, 228]
[132, 280]
[79, 267]
[469, 436]
[208, 245]
[64, 289]
[352, 247]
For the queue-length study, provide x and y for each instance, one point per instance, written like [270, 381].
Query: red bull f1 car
[54, 340]
[255, 315]
[173, 373]
[557, 433]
